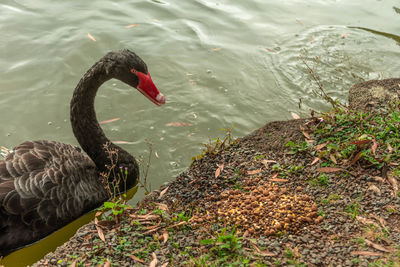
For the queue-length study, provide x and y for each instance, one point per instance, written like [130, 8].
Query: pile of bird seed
[263, 209]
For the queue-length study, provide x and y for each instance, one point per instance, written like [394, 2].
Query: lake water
[221, 64]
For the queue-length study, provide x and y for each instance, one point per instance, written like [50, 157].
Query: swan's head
[131, 69]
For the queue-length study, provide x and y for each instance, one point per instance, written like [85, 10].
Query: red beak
[148, 89]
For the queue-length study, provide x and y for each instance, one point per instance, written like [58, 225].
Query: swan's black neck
[87, 129]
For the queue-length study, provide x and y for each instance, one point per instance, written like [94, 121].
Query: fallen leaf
[99, 213]
[329, 169]
[300, 22]
[366, 253]
[389, 147]
[179, 124]
[267, 161]
[377, 246]
[374, 146]
[274, 175]
[315, 161]
[165, 236]
[263, 252]
[73, 264]
[312, 39]
[106, 223]
[123, 142]
[219, 170]
[110, 120]
[365, 220]
[130, 26]
[133, 257]
[165, 264]
[278, 180]
[154, 262]
[356, 157]
[306, 134]
[162, 206]
[332, 157]
[163, 192]
[101, 233]
[344, 35]
[294, 116]
[216, 48]
[321, 146]
[107, 264]
[393, 181]
[270, 50]
[254, 172]
[155, 153]
[177, 224]
[360, 142]
[91, 37]
[150, 231]
[375, 189]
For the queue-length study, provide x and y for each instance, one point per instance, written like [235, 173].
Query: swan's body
[46, 184]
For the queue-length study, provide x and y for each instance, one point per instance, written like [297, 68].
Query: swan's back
[43, 186]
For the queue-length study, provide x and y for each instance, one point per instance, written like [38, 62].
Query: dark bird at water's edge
[46, 184]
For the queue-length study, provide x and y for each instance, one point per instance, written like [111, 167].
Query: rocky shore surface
[322, 191]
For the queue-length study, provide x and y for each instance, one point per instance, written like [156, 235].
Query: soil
[351, 218]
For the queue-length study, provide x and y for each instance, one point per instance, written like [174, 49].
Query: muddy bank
[290, 193]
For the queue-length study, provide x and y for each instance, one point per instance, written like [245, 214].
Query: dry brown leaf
[321, 146]
[300, 22]
[91, 37]
[366, 253]
[377, 246]
[375, 189]
[263, 252]
[332, 157]
[162, 193]
[179, 124]
[110, 120]
[154, 262]
[165, 236]
[294, 116]
[254, 172]
[73, 264]
[312, 39]
[130, 26]
[177, 224]
[122, 142]
[374, 147]
[393, 181]
[274, 175]
[329, 169]
[216, 49]
[267, 161]
[156, 154]
[162, 206]
[315, 161]
[150, 231]
[366, 221]
[389, 147]
[344, 35]
[360, 142]
[278, 180]
[165, 264]
[133, 257]
[219, 170]
[143, 217]
[105, 223]
[306, 134]
[270, 50]
[99, 213]
[101, 233]
[107, 264]
[356, 157]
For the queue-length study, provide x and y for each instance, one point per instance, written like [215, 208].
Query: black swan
[46, 184]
